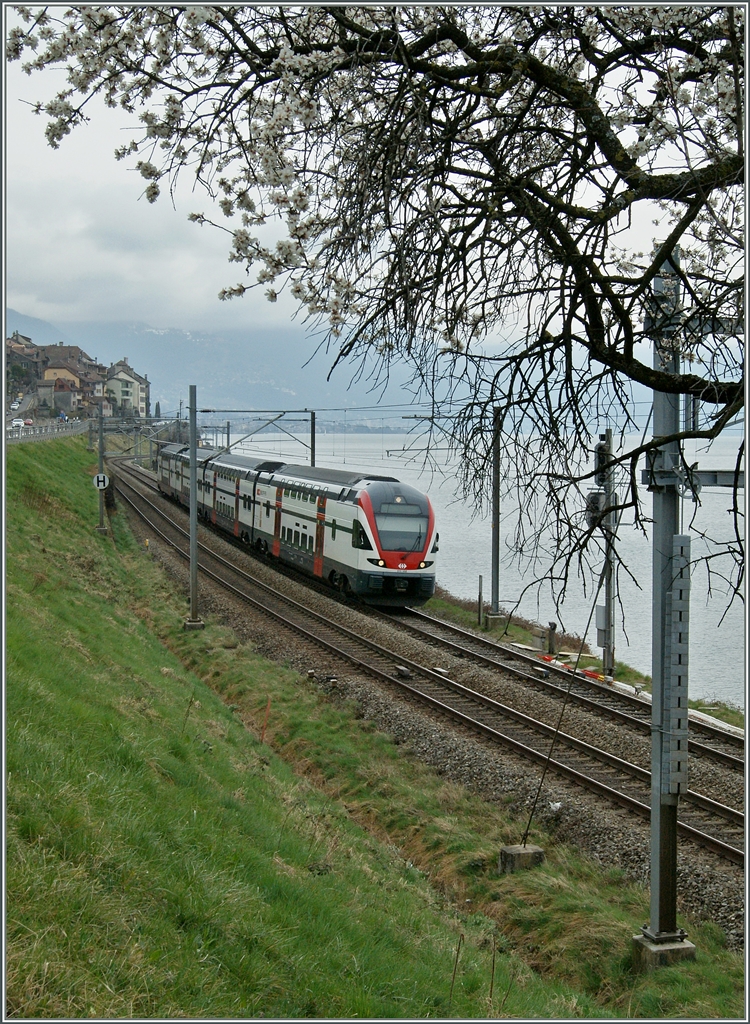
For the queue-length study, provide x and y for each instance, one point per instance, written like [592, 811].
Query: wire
[602, 577]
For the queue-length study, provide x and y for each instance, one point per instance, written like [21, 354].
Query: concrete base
[194, 624]
[519, 858]
[494, 620]
[647, 955]
[101, 529]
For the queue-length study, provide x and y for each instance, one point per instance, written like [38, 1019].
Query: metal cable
[567, 692]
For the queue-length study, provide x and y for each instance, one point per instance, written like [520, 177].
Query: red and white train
[368, 535]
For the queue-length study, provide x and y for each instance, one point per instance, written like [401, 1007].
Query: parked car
[17, 422]
[28, 423]
[14, 405]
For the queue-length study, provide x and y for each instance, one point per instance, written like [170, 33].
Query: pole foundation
[648, 955]
[194, 624]
[519, 858]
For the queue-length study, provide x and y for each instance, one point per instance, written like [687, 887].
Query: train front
[400, 564]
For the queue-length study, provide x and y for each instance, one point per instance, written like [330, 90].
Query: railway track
[630, 711]
[702, 820]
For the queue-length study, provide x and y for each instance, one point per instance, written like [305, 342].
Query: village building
[128, 390]
[67, 379]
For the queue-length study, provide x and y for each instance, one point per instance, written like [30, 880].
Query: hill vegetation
[172, 853]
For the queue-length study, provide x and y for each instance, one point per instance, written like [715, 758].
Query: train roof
[338, 478]
[319, 474]
[243, 463]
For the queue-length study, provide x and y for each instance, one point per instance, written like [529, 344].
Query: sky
[82, 243]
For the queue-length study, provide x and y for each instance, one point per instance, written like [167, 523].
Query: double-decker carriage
[368, 535]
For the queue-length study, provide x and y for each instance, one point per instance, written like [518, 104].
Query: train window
[400, 532]
[359, 537]
[296, 538]
[333, 529]
[310, 542]
[268, 509]
[286, 492]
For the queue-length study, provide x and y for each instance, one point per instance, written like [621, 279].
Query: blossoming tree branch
[488, 192]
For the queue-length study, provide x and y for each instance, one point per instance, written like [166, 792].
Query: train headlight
[377, 561]
[425, 565]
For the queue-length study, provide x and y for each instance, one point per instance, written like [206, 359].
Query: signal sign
[101, 481]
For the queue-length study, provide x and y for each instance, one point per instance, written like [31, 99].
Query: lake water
[717, 634]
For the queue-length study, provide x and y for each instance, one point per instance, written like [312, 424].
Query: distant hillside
[39, 331]
[239, 369]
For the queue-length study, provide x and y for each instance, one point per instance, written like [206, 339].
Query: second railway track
[705, 821]
[714, 743]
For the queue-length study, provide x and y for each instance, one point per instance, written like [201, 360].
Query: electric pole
[101, 528]
[661, 940]
[194, 621]
[495, 606]
[605, 615]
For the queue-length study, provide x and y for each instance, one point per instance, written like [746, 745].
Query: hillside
[179, 847]
[245, 369]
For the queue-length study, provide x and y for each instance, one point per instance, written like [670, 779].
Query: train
[366, 535]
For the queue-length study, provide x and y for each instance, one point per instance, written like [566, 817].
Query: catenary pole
[101, 527]
[194, 621]
[670, 567]
[496, 511]
[610, 526]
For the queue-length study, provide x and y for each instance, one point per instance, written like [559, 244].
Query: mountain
[40, 332]
[272, 368]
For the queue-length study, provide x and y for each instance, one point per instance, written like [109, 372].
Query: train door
[213, 498]
[320, 532]
[253, 508]
[276, 548]
[236, 506]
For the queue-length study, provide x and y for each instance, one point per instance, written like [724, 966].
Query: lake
[717, 632]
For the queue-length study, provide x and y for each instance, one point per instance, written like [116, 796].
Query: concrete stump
[519, 858]
[647, 955]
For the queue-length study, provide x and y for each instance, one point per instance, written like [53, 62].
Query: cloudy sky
[82, 243]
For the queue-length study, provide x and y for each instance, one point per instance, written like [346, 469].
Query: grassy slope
[163, 862]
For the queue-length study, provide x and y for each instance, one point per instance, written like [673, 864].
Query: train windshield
[401, 527]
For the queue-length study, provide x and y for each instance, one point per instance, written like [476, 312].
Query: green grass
[162, 862]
